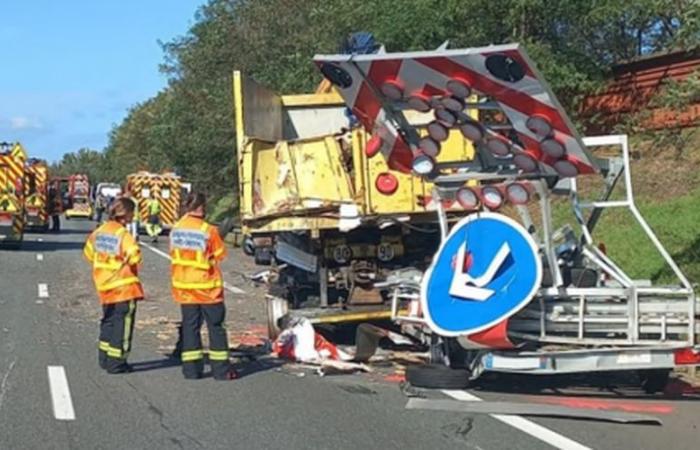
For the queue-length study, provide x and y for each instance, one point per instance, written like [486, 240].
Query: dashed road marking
[229, 287]
[40, 257]
[60, 394]
[537, 431]
[43, 290]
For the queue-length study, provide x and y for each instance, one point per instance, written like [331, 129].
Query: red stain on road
[608, 405]
[253, 336]
[395, 378]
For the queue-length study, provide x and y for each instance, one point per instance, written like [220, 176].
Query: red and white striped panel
[426, 74]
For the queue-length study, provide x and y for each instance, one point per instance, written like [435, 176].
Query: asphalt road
[48, 319]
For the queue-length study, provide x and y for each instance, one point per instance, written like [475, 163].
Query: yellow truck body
[311, 197]
[165, 187]
[296, 168]
[12, 200]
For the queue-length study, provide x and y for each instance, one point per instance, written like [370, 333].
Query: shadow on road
[156, 364]
[49, 246]
[248, 368]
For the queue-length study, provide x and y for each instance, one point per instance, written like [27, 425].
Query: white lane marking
[39, 257]
[229, 287]
[43, 290]
[537, 431]
[155, 250]
[40, 240]
[233, 289]
[60, 394]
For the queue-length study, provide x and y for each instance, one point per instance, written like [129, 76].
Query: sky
[70, 69]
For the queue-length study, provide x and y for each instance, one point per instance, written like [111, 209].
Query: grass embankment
[676, 223]
[667, 193]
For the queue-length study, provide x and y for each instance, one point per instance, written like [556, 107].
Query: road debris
[300, 342]
[331, 367]
[527, 409]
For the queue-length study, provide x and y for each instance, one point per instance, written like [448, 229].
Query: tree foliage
[189, 125]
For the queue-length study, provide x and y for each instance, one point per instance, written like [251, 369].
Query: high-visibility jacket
[153, 207]
[196, 249]
[115, 257]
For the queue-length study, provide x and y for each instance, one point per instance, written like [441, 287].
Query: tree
[189, 125]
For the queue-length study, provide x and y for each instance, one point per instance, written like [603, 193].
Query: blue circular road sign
[486, 270]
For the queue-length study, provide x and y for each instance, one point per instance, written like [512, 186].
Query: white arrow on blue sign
[486, 270]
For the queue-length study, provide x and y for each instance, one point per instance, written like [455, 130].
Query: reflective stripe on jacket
[196, 250]
[115, 257]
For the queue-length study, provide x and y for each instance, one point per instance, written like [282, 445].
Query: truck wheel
[225, 227]
[437, 376]
[248, 246]
[276, 309]
[438, 351]
[655, 380]
[263, 256]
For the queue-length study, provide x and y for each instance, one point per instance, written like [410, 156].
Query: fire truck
[12, 205]
[78, 197]
[36, 187]
[166, 187]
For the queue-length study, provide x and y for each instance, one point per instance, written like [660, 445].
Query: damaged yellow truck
[322, 208]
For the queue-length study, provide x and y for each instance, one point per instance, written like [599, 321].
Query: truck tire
[437, 376]
[225, 227]
[248, 246]
[263, 256]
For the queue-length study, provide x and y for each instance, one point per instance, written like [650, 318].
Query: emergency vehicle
[165, 187]
[12, 207]
[79, 197]
[36, 187]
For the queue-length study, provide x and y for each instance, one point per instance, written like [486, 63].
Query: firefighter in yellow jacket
[115, 257]
[196, 249]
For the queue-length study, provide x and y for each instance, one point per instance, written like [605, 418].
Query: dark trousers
[116, 331]
[55, 222]
[192, 353]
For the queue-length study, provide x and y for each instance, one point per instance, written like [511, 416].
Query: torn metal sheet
[528, 409]
[295, 256]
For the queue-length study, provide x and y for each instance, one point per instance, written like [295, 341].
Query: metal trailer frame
[624, 325]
